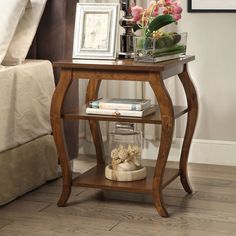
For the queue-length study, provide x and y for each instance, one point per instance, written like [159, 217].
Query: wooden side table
[158, 177]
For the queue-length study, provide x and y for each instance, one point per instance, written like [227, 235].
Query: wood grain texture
[127, 70]
[154, 118]
[192, 102]
[51, 197]
[110, 75]
[58, 133]
[95, 178]
[123, 65]
[4, 222]
[93, 212]
[167, 129]
[92, 94]
[154, 230]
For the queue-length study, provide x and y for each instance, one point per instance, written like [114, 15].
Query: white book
[117, 112]
[121, 103]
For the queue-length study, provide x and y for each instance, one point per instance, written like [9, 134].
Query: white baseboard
[202, 151]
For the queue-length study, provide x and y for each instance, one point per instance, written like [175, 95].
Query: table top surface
[122, 64]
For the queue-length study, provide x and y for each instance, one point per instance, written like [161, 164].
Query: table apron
[124, 75]
[172, 71]
[110, 75]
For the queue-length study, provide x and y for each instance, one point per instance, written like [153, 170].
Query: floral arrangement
[126, 158]
[156, 45]
[158, 14]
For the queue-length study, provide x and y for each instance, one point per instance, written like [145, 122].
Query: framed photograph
[211, 5]
[96, 26]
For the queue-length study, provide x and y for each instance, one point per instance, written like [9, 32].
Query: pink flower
[177, 9]
[155, 11]
[165, 11]
[156, 8]
[176, 16]
[168, 2]
[137, 13]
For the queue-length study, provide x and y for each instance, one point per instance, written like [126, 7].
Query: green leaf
[170, 51]
[164, 42]
[136, 27]
[159, 22]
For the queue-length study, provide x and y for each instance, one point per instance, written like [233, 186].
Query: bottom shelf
[95, 178]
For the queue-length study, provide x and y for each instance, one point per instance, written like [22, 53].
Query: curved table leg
[192, 101]
[92, 94]
[58, 133]
[167, 119]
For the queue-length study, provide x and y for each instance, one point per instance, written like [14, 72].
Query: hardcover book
[121, 103]
[118, 112]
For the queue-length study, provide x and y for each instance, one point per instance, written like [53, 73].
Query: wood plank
[154, 118]
[209, 204]
[56, 189]
[49, 224]
[23, 206]
[4, 222]
[200, 184]
[220, 182]
[182, 219]
[203, 186]
[220, 197]
[27, 231]
[213, 168]
[141, 197]
[212, 174]
[50, 197]
[95, 178]
[92, 203]
[191, 227]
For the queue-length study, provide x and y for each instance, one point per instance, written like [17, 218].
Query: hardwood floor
[210, 210]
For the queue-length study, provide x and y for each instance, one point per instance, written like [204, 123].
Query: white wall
[212, 39]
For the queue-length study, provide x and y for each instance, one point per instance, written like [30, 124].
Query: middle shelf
[154, 118]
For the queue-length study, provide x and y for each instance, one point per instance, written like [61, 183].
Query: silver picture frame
[95, 34]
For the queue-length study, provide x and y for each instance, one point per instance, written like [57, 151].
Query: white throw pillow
[29, 4]
[11, 12]
[25, 33]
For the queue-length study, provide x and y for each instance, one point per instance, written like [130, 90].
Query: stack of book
[121, 107]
